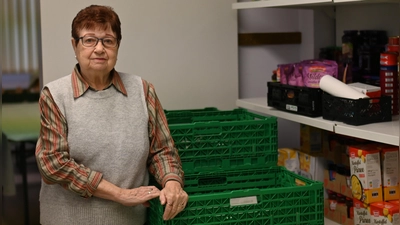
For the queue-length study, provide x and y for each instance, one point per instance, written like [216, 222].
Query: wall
[257, 62]
[187, 49]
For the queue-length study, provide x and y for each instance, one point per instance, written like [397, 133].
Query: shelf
[385, 132]
[302, 3]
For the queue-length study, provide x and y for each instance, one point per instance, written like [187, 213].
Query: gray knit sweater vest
[107, 132]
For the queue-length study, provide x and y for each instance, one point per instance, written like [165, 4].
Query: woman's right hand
[137, 196]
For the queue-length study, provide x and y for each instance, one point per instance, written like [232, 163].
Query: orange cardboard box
[366, 179]
[384, 213]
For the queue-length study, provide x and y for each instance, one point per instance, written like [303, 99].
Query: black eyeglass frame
[97, 41]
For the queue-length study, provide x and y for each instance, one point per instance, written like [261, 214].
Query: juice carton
[390, 168]
[289, 158]
[365, 170]
[361, 213]
[384, 213]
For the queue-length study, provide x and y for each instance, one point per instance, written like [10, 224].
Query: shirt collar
[80, 86]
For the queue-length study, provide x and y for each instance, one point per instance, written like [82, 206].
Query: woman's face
[96, 59]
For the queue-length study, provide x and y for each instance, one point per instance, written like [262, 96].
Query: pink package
[314, 70]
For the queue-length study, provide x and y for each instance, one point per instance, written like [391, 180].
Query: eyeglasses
[108, 42]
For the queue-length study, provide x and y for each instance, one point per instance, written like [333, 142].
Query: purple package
[314, 70]
[298, 74]
[286, 71]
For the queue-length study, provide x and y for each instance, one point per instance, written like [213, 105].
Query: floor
[13, 206]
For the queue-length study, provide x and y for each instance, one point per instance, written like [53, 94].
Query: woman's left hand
[174, 197]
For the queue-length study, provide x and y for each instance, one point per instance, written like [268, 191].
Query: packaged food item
[289, 158]
[312, 167]
[286, 71]
[314, 70]
[367, 89]
[384, 213]
[390, 168]
[365, 170]
[361, 213]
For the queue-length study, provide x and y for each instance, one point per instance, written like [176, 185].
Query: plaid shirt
[52, 151]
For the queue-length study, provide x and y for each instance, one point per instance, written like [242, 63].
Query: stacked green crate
[229, 159]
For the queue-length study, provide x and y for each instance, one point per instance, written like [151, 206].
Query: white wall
[257, 62]
[187, 49]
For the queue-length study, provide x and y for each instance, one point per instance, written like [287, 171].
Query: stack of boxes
[374, 183]
[229, 159]
[308, 160]
[360, 177]
[366, 173]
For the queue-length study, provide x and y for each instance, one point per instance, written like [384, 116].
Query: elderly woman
[102, 133]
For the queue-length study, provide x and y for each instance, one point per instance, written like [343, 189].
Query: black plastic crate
[356, 111]
[299, 100]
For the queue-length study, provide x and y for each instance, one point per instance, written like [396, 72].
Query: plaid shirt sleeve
[52, 153]
[164, 162]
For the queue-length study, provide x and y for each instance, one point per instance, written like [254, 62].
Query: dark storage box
[356, 112]
[300, 100]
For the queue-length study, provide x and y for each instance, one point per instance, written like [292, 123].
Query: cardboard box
[396, 202]
[366, 179]
[338, 183]
[337, 212]
[332, 181]
[335, 147]
[369, 90]
[390, 168]
[312, 167]
[310, 140]
[384, 213]
[289, 158]
[361, 213]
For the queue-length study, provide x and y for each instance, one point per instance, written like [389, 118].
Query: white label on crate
[291, 108]
[243, 201]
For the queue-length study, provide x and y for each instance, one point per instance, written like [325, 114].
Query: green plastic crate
[225, 140]
[186, 115]
[278, 201]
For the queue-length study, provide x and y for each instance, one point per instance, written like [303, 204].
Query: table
[21, 124]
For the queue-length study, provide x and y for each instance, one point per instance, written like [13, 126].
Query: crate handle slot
[212, 181]
[208, 131]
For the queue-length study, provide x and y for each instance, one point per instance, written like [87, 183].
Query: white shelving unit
[385, 132]
[302, 3]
